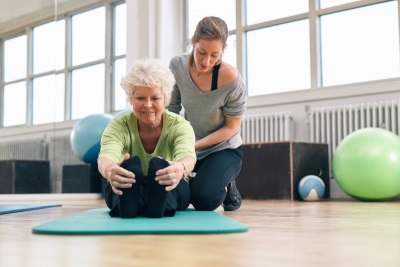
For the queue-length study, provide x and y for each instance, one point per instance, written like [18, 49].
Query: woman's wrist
[185, 174]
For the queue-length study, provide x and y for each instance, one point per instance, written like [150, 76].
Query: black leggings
[213, 174]
[176, 200]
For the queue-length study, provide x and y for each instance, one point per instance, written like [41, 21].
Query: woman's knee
[205, 201]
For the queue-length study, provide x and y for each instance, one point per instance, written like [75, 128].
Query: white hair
[149, 73]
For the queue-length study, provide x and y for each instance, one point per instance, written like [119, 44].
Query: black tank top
[214, 83]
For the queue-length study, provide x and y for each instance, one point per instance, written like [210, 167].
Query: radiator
[57, 150]
[332, 124]
[30, 149]
[60, 154]
[267, 127]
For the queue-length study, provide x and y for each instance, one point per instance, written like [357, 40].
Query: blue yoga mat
[11, 208]
[99, 222]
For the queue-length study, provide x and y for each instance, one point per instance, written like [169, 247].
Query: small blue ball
[311, 188]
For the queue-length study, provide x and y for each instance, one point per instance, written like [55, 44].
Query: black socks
[156, 194]
[129, 201]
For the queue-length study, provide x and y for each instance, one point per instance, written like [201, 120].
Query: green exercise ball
[366, 164]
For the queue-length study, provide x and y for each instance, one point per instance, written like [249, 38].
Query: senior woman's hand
[117, 176]
[171, 175]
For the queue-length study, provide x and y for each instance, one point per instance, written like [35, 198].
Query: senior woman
[146, 154]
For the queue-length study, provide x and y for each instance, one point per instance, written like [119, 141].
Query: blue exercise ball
[86, 136]
[311, 188]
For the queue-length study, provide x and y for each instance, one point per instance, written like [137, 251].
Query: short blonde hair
[149, 73]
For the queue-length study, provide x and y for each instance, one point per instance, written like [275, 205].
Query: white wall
[15, 14]
[153, 30]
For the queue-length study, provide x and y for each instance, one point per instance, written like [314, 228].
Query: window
[88, 46]
[289, 45]
[360, 44]
[230, 50]
[47, 86]
[278, 58]
[60, 70]
[15, 101]
[88, 36]
[15, 89]
[260, 10]
[48, 99]
[15, 59]
[87, 91]
[49, 47]
[198, 9]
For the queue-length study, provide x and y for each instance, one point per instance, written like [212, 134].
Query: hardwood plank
[282, 233]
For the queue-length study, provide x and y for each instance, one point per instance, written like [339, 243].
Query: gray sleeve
[236, 101]
[176, 104]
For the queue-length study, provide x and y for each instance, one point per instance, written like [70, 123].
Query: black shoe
[233, 199]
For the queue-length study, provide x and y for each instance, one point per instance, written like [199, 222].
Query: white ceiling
[17, 9]
[18, 13]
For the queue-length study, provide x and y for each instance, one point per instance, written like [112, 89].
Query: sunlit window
[225, 9]
[88, 36]
[49, 47]
[15, 58]
[87, 91]
[230, 50]
[63, 69]
[120, 30]
[360, 44]
[15, 93]
[15, 102]
[278, 58]
[48, 99]
[263, 10]
[289, 45]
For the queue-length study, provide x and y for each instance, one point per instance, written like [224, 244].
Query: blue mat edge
[38, 229]
[28, 207]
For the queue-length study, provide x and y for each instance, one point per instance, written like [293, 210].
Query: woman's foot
[129, 201]
[233, 199]
[156, 194]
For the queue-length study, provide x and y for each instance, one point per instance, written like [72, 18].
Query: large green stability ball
[366, 164]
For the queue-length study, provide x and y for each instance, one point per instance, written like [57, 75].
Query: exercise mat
[99, 222]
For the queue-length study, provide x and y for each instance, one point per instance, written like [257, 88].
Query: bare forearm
[187, 164]
[216, 137]
[118, 177]
[104, 165]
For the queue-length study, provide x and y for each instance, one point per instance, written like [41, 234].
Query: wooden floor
[281, 233]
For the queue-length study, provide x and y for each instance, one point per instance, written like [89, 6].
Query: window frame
[108, 61]
[316, 91]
